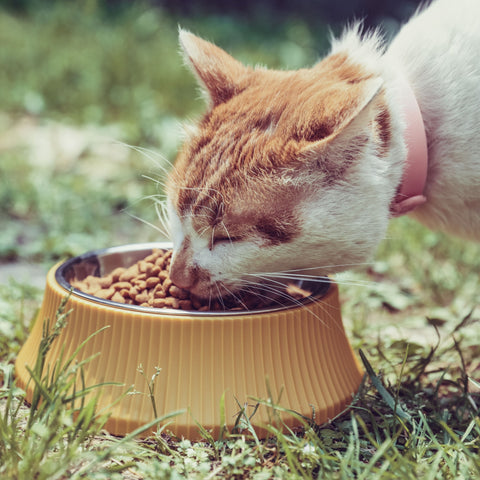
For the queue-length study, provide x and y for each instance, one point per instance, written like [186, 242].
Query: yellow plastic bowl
[301, 351]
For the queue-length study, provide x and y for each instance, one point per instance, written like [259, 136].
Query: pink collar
[410, 192]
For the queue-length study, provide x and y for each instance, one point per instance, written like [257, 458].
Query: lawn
[91, 103]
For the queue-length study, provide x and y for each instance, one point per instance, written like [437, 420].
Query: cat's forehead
[302, 105]
[231, 196]
[264, 100]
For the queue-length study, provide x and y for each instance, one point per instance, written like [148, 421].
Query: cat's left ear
[218, 72]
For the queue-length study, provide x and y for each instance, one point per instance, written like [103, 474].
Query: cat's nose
[182, 275]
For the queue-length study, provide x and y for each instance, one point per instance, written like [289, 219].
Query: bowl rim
[323, 287]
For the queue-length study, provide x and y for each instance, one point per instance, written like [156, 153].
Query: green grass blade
[389, 400]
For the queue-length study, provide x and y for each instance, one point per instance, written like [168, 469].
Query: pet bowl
[299, 354]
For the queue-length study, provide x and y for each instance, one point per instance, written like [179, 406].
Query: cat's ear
[218, 72]
[354, 119]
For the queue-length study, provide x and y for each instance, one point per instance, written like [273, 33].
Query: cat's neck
[410, 193]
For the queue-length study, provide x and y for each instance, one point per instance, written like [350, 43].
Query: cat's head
[286, 171]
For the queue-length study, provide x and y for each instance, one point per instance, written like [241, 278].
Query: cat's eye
[219, 240]
[223, 240]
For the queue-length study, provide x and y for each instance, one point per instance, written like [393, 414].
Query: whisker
[273, 295]
[263, 294]
[152, 155]
[325, 267]
[203, 230]
[273, 277]
[146, 152]
[278, 292]
[156, 197]
[197, 215]
[220, 297]
[155, 180]
[160, 209]
[311, 278]
[318, 278]
[284, 295]
[146, 222]
[227, 232]
[212, 238]
[236, 298]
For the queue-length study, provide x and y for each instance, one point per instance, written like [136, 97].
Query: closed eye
[228, 239]
[223, 240]
[220, 234]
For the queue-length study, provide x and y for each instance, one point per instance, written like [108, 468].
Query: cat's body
[298, 170]
[439, 53]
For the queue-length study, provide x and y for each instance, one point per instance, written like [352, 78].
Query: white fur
[438, 52]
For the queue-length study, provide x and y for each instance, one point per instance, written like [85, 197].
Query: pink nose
[182, 275]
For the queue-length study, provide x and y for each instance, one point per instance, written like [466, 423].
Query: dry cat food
[147, 284]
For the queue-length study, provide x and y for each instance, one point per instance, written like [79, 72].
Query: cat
[293, 172]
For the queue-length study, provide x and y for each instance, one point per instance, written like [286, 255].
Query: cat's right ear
[219, 73]
[354, 120]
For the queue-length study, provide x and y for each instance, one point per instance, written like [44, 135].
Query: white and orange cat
[300, 171]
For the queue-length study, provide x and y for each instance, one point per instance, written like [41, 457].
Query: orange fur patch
[229, 176]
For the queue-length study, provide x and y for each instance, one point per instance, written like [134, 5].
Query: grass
[413, 312]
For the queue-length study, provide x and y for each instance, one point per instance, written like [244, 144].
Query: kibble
[147, 284]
